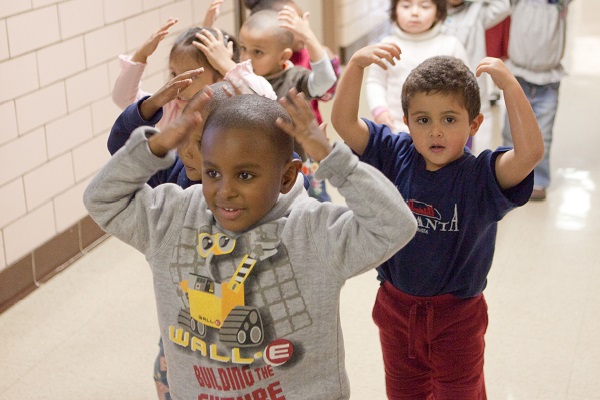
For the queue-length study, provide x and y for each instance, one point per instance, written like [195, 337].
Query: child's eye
[449, 120]
[212, 174]
[422, 120]
[245, 176]
[258, 52]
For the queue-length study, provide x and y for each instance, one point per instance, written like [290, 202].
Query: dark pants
[432, 346]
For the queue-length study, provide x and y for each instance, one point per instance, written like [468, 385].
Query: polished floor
[91, 331]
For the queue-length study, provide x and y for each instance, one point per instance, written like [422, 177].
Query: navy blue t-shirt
[457, 209]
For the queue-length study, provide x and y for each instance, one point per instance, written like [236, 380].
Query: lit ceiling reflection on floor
[575, 194]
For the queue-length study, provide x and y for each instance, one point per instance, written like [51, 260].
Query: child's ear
[286, 54]
[476, 124]
[405, 120]
[290, 174]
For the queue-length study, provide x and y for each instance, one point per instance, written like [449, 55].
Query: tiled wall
[351, 24]
[57, 69]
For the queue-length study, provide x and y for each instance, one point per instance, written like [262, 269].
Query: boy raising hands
[430, 308]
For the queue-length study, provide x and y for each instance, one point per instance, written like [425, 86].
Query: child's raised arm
[212, 13]
[167, 92]
[176, 132]
[150, 45]
[514, 166]
[323, 76]
[344, 115]
[303, 126]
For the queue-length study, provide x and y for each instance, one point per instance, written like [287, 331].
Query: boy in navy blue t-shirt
[430, 309]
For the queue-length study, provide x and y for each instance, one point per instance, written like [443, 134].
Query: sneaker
[538, 194]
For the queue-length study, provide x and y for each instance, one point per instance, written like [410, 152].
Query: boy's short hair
[256, 114]
[258, 5]
[445, 75]
[442, 10]
[266, 21]
[183, 43]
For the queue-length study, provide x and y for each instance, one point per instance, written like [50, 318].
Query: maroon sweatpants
[432, 346]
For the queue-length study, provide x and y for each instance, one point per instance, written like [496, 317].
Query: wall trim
[22, 277]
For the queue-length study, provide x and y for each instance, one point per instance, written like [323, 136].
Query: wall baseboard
[24, 276]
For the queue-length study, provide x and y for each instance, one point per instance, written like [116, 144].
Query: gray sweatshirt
[253, 314]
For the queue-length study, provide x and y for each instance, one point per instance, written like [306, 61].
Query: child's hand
[150, 45]
[167, 93]
[215, 51]
[303, 127]
[176, 132]
[385, 118]
[298, 25]
[376, 54]
[499, 72]
[212, 13]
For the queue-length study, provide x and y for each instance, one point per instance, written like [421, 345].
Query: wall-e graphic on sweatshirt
[240, 293]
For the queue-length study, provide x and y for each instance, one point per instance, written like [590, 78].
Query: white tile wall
[57, 69]
[102, 44]
[22, 155]
[69, 208]
[136, 29]
[25, 68]
[29, 232]
[41, 106]
[15, 206]
[88, 86]
[41, 3]
[115, 10]
[104, 113]
[10, 7]
[180, 9]
[61, 60]
[24, 34]
[69, 132]
[9, 122]
[80, 16]
[48, 180]
[150, 4]
[90, 157]
[3, 41]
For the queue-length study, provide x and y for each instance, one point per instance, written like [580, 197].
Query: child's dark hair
[445, 75]
[185, 39]
[442, 10]
[258, 5]
[253, 114]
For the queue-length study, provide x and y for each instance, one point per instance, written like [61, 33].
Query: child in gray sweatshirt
[247, 268]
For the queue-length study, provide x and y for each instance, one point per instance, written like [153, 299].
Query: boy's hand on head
[499, 72]
[219, 56]
[298, 25]
[177, 131]
[212, 13]
[150, 45]
[376, 54]
[168, 92]
[303, 126]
